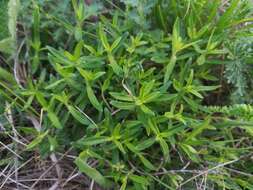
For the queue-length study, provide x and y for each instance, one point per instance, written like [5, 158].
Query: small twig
[127, 89]
[53, 165]
[35, 123]
[91, 185]
[202, 182]
[10, 150]
[209, 170]
[38, 127]
[205, 181]
[186, 165]
[18, 141]
[71, 176]
[14, 172]
[68, 156]
[239, 172]
[7, 176]
[54, 186]
[12, 180]
[31, 180]
[41, 116]
[57, 167]
[116, 111]
[6, 167]
[106, 102]
[181, 171]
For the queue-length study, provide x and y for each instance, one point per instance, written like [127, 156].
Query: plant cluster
[128, 86]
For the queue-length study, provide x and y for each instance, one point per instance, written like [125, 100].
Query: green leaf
[54, 84]
[6, 46]
[37, 140]
[165, 147]
[190, 151]
[201, 59]
[132, 148]
[28, 102]
[146, 162]
[146, 88]
[225, 19]
[90, 49]
[36, 43]
[4, 19]
[195, 92]
[120, 146]
[169, 68]
[115, 43]
[5, 75]
[92, 173]
[90, 141]
[36, 27]
[53, 143]
[94, 154]
[103, 38]
[152, 97]
[160, 14]
[123, 105]
[78, 115]
[146, 110]
[98, 75]
[78, 50]
[172, 131]
[58, 57]
[13, 8]
[139, 179]
[177, 41]
[145, 144]
[54, 119]
[207, 88]
[198, 130]
[93, 98]
[114, 65]
[87, 75]
[122, 96]
[190, 78]
[124, 184]
[41, 100]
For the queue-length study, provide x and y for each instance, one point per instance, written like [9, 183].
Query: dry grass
[33, 172]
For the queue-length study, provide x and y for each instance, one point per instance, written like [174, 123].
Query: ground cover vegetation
[126, 94]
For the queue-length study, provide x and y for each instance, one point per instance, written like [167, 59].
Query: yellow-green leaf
[37, 140]
[92, 173]
[93, 98]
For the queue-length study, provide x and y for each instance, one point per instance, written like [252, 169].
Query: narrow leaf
[91, 172]
[93, 98]
[37, 140]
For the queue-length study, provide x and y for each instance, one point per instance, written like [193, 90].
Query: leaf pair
[129, 102]
[89, 77]
[109, 49]
[177, 45]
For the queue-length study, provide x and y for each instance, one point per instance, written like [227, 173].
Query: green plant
[4, 19]
[127, 93]
[238, 70]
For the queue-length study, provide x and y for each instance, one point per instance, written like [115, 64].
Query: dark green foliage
[239, 69]
[4, 19]
[126, 84]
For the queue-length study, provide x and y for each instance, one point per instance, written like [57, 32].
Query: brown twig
[52, 166]
[210, 170]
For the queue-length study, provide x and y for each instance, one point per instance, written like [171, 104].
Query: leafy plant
[126, 90]
[238, 70]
